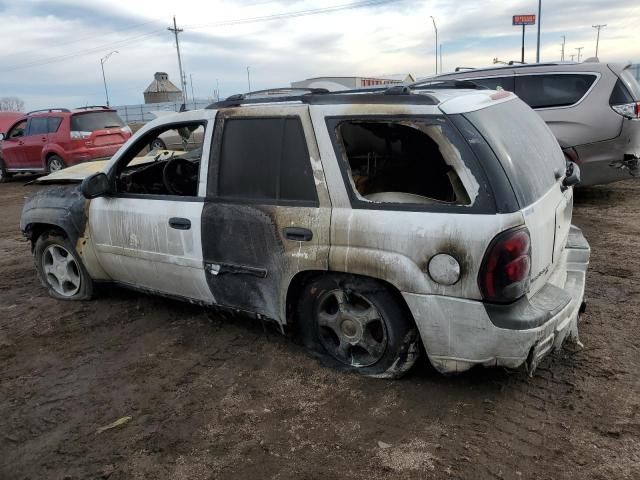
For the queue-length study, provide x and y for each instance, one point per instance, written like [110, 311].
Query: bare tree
[11, 104]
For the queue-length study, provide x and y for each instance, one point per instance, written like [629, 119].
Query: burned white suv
[369, 221]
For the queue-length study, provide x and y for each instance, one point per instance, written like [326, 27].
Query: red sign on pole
[524, 19]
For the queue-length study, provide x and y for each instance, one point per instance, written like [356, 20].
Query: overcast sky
[51, 50]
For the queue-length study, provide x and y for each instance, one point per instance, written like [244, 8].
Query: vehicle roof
[565, 67]
[449, 100]
[73, 111]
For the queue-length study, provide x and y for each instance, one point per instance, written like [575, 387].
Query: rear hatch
[534, 163]
[99, 129]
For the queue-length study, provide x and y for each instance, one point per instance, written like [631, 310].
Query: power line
[264, 18]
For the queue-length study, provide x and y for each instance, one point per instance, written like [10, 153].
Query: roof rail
[93, 107]
[437, 84]
[394, 94]
[65, 110]
[459, 69]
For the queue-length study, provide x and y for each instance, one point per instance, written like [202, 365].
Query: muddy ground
[216, 398]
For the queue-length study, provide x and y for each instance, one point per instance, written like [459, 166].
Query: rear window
[555, 90]
[90, 122]
[526, 148]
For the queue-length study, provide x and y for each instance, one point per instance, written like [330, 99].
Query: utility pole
[539, 26]
[217, 89]
[249, 78]
[579, 49]
[441, 58]
[598, 27]
[436, 29]
[183, 80]
[104, 79]
[193, 97]
[564, 42]
[572, 57]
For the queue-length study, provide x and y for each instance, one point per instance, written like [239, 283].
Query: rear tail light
[506, 267]
[629, 110]
[77, 135]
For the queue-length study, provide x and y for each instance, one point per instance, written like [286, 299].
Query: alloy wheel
[61, 270]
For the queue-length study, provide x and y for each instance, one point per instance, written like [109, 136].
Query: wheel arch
[51, 150]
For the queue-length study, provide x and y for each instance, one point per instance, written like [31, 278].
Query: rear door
[535, 166]
[35, 140]
[267, 212]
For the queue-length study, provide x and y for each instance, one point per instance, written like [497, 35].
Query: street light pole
[539, 24]
[104, 78]
[564, 42]
[436, 29]
[598, 27]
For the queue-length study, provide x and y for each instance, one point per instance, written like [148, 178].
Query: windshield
[526, 148]
[90, 122]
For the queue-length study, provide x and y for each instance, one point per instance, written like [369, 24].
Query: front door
[267, 212]
[147, 234]
[12, 146]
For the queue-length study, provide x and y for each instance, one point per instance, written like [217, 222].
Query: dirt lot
[214, 398]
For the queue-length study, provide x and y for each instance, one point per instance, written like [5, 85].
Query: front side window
[18, 130]
[408, 161]
[146, 171]
[38, 126]
[553, 90]
[265, 160]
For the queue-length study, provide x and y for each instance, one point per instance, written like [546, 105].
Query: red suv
[49, 140]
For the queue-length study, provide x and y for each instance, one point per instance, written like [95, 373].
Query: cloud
[51, 49]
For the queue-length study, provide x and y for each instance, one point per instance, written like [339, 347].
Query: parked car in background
[179, 139]
[370, 220]
[592, 108]
[7, 119]
[50, 140]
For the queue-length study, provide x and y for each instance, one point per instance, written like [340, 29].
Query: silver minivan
[592, 108]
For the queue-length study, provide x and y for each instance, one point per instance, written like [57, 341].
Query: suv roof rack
[318, 96]
[93, 107]
[65, 110]
[433, 84]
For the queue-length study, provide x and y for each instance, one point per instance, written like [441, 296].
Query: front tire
[55, 163]
[4, 175]
[60, 269]
[358, 324]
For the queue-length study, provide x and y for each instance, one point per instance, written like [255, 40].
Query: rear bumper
[458, 333]
[612, 160]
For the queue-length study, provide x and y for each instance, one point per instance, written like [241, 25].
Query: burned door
[267, 213]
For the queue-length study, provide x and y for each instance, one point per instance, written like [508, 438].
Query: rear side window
[496, 83]
[92, 121]
[631, 78]
[409, 161]
[526, 148]
[38, 126]
[53, 124]
[265, 159]
[555, 90]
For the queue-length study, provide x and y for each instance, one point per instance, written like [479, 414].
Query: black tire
[365, 329]
[49, 275]
[55, 163]
[157, 144]
[4, 175]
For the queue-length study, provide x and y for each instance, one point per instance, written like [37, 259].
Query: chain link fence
[143, 113]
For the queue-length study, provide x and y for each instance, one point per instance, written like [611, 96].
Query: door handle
[298, 234]
[20, 142]
[44, 139]
[180, 223]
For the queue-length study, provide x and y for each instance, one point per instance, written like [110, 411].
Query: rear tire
[4, 175]
[55, 163]
[60, 269]
[358, 324]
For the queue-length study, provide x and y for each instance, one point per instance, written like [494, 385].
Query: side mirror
[95, 185]
[572, 176]
[1, 136]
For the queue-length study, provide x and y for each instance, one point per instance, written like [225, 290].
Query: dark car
[50, 140]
